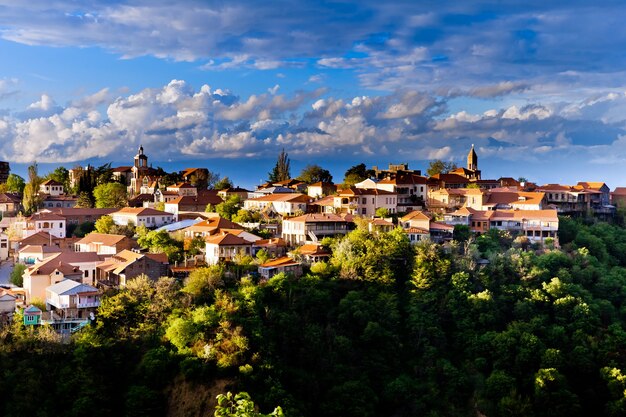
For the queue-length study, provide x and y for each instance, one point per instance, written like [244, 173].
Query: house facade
[141, 216]
[313, 227]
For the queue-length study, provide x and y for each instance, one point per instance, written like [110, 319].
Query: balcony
[89, 304]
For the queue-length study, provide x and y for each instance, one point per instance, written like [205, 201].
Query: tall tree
[110, 195]
[15, 184]
[315, 173]
[223, 184]
[281, 171]
[440, 167]
[357, 173]
[32, 200]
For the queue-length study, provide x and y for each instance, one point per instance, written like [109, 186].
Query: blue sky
[539, 87]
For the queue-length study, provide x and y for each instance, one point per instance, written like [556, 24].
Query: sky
[539, 87]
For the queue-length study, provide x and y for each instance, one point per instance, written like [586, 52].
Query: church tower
[472, 160]
[141, 160]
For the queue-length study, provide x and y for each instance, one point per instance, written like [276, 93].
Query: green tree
[382, 212]
[62, 176]
[281, 170]
[240, 405]
[357, 173]
[104, 224]
[438, 166]
[315, 173]
[15, 184]
[161, 242]
[17, 273]
[32, 200]
[229, 208]
[84, 200]
[461, 232]
[110, 195]
[223, 184]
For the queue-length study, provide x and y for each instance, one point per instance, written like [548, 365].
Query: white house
[313, 226]
[72, 297]
[46, 222]
[285, 204]
[4, 247]
[364, 201]
[51, 187]
[141, 216]
[226, 247]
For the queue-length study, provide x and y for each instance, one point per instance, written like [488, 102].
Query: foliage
[60, 175]
[262, 256]
[240, 405]
[461, 232]
[229, 208]
[15, 184]
[315, 173]
[16, 275]
[84, 200]
[110, 195]
[223, 184]
[246, 216]
[161, 242]
[357, 173]
[32, 200]
[104, 224]
[438, 166]
[281, 170]
[80, 230]
[382, 212]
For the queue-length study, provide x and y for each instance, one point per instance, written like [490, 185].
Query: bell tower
[472, 160]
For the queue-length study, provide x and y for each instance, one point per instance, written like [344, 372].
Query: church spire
[472, 160]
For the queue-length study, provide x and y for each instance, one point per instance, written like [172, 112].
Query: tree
[281, 171]
[357, 173]
[60, 175]
[84, 200]
[162, 242]
[223, 184]
[15, 184]
[440, 167]
[104, 224]
[229, 208]
[315, 173]
[461, 232]
[240, 405]
[16, 275]
[110, 195]
[382, 212]
[32, 200]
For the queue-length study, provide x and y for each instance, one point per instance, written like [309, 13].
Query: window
[363, 210]
[364, 200]
[86, 274]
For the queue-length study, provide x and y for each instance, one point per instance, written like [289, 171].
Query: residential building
[364, 202]
[210, 227]
[123, 174]
[566, 199]
[141, 216]
[313, 252]
[275, 247]
[47, 222]
[82, 215]
[51, 188]
[618, 197]
[60, 201]
[72, 299]
[242, 193]
[48, 272]
[119, 269]
[321, 189]
[4, 247]
[280, 265]
[10, 204]
[104, 244]
[226, 247]
[313, 227]
[183, 189]
[198, 203]
[31, 254]
[284, 204]
[416, 219]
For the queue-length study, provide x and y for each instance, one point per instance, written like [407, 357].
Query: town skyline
[539, 89]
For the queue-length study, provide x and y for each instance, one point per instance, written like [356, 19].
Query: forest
[485, 326]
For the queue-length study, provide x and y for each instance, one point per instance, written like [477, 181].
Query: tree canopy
[438, 166]
[110, 195]
[281, 170]
[315, 173]
[357, 173]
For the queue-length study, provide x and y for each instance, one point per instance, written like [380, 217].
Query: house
[417, 235]
[59, 201]
[141, 216]
[280, 265]
[242, 193]
[123, 174]
[380, 225]
[31, 254]
[82, 215]
[51, 188]
[72, 298]
[48, 272]
[313, 252]
[212, 226]
[226, 247]
[618, 197]
[567, 199]
[198, 203]
[7, 303]
[412, 190]
[119, 269]
[536, 225]
[364, 202]
[183, 189]
[440, 232]
[32, 316]
[417, 219]
[104, 244]
[10, 204]
[448, 181]
[46, 222]
[312, 227]
[160, 196]
[275, 247]
[321, 189]
[41, 239]
[284, 204]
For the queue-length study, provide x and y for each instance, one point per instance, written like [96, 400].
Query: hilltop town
[147, 222]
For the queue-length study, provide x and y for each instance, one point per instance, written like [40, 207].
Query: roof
[183, 224]
[417, 215]
[70, 287]
[40, 249]
[322, 184]
[227, 239]
[363, 191]
[313, 249]
[548, 215]
[516, 198]
[265, 243]
[202, 199]
[381, 222]
[594, 185]
[325, 201]
[619, 191]
[118, 263]
[32, 310]
[289, 197]
[40, 216]
[49, 265]
[102, 238]
[10, 198]
[416, 231]
[317, 218]
[51, 182]
[141, 211]
[122, 169]
[284, 261]
[450, 178]
[440, 226]
[65, 212]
